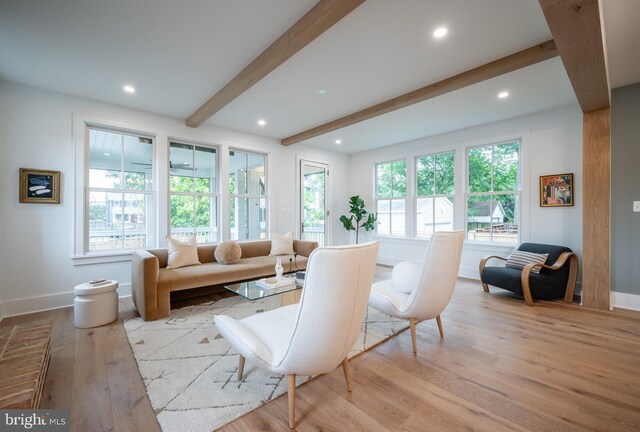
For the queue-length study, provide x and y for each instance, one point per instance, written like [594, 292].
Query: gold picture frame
[556, 190]
[39, 186]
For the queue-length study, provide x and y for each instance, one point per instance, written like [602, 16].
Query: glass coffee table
[251, 291]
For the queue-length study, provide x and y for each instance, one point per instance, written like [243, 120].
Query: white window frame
[230, 196]
[518, 192]
[377, 199]
[81, 125]
[216, 187]
[451, 196]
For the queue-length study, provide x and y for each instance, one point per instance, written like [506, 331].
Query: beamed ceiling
[370, 57]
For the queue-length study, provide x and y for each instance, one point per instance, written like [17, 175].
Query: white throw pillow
[281, 244]
[519, 259]
[182, 253]
[405, 276]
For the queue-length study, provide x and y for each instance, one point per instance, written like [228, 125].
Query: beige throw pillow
[182, 253]
[281, 244]
[228, 252]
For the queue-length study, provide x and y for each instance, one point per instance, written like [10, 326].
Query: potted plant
[360, 217]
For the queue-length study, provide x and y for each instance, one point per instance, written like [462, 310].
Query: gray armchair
[557, 277]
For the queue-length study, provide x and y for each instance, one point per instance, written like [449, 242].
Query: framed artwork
[39, 186]
[556, 190]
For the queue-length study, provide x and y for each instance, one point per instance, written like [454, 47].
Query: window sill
[101, 258]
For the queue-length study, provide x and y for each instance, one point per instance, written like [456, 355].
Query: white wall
[551, 144]
[36, 240]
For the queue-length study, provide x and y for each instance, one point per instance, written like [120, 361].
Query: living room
[61, 75]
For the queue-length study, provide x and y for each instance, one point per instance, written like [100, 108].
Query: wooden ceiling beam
[510, 63]
[315, 22]
[576, 28]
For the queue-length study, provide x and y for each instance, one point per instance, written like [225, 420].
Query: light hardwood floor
[502, 366]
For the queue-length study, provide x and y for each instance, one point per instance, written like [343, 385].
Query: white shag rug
[190, 371]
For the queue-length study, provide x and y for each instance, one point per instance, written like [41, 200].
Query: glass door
[313, 200]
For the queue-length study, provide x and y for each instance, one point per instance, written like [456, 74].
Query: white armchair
[432, 287]
[314, 336]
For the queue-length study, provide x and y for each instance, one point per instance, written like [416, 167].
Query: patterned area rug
[190, 371]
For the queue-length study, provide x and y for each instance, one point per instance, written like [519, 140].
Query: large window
[248, 195]
[434, 193]
[493, 192]
[193, 192]
[120, 191]
[391, 192]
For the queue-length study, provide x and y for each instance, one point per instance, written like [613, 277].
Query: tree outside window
[193, 192]
[493, 192]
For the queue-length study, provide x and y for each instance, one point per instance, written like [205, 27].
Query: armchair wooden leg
[347, 373]
[240, 368]
[412, 324]
[526, 290]
[573, 276]
[292, 400]
[485, 287]
[439, 321]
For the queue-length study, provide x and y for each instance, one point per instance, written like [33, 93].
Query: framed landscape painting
[556, 190]
[39, 186]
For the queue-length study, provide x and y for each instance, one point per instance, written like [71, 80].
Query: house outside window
[493, 193]
[247, 195]
[435, 187]
[193, 192]
[120, 191]
[391, 192]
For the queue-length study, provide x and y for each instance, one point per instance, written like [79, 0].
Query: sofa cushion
[542, 286]
[228, 252]
[281, 244]
[519, 259]
[182, 253]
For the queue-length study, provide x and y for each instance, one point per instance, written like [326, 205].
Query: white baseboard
[625, 301]
[28, 305]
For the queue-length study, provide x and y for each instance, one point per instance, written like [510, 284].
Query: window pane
[255, 174]
[105, 221]
[383, 177]
[479, 217]
[384, 217]
[398, 217]
[105, 159]
[399, 179]
[181, 167]
[137, 158]
[205, 165]
[479, 169]
[444, 167]
[237, 173]
[206, 217]
[182, 216]
[424, 175]
[179, 183]
[505, 167]
[249, 218]
[424, 216]
[443, 215]
[505, 227]
[134, 220]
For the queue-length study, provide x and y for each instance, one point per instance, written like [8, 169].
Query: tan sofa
[152, 282]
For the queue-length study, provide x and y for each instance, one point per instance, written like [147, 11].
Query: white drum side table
[95, 304]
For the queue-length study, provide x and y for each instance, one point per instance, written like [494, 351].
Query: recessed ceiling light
[338, 141]
[503, 94]
[129, 89]
[320, 91]
[107, 154]
[262, 122]
[440, 32]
